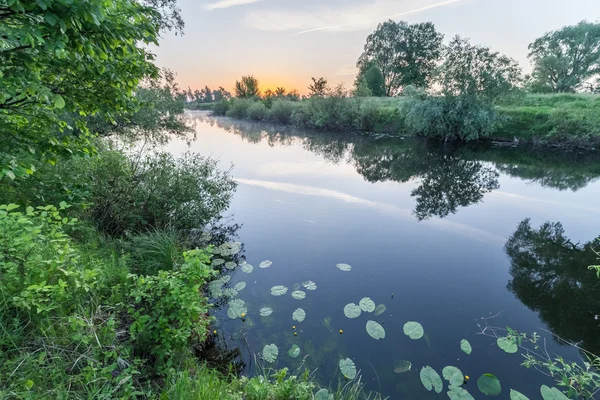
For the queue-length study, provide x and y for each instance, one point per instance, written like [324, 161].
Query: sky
[286, 42]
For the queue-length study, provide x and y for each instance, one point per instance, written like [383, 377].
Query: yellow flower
[215, 331]
[467, 377]
[243, 315]
[294, 327]
[341, 331]
[295, 334]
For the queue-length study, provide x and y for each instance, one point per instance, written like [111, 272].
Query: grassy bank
[557, 120]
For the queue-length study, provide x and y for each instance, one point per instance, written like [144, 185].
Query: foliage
[405, 54]
[154, 250]
[563, 60]
[221, 108]
[318, 87]
[371, 79]
[238, 108]
[257, 111]
[281, 111]
[247, 87]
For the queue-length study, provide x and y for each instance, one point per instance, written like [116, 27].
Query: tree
[405, 54]
[280, 91]
[370, 75]
[247, 88]
[318, 87]
[207, 95]
[565, 59]
[362, 89]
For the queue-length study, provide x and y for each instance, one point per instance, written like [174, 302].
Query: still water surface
[434, 234]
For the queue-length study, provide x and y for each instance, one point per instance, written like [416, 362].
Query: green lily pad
[458, 393]
[270, 353]
[323, 394]
[402, 366]
[348, 368]
[240, 286]
[266, 311]
[413, 330]
[375, 330]
[265, 264]
[489, 385]
[466, 346]
[366, 304]
[453, 375]
[298, 294]
[552, 393]
[507, 344]
[380, 309]
[237, 307]
[309, 285]
[247, 268]
[514, 395]
[294, 351]
[230, 292]
[352, 310]
[299, 315]
[217, 261]
[344, 267]
[431, 379]
[279, 290]
[230, 265]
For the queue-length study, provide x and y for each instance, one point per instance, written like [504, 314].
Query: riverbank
[566, 121]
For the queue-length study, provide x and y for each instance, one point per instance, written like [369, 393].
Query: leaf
[323, 394]
[299, 315]
[453, 375]
[270, 353]
[366, 304]
[59, 102]
[352, 310]
[237, 307]
[265, 264]
[431, 379]
[509, 345]
[298, 294]
[375, 330]
[309, 285]
[458, 393]
[514, 395]
[489, 385]
[247, 268]
[217, 261]
[344, 267]
[240, 286]
[294, 351]
[279, 290]
[266, 311]
[466, 346]
[402, 366]
[230, 265]
[230, 292]
[348, 368]
[552, 393]
[413, 330]
[380, 309]
[28, 384]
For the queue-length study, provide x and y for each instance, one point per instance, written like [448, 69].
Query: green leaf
[514, 395]
[230, 292]
[309, 285]
[458, 393]
[266, 311]
[279, 290]
[28, 384]
[344, 267]
[552, 393]
[431, 379]
[466, 346]
[230, 265]
[366, 304]
[402, 366]
[237, 307]
[489, 385]
[453, 375]
[240, 286]
[294, 351]
[413, 330]
[299, 315]
[298, 294]
[323, 394]
[217, 262]
[348, 368]
[380, 309]
[352, 310]
[247, 268]
[59, 102]
[270, 353]
[375, 330]
[265, 264]
[507, 344]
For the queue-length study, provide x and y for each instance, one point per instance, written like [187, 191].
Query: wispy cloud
[355, 17]
[229, 3]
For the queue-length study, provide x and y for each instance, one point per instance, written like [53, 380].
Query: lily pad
[466, 346]
[431, 379]
[366, 304]
[489, 385]
[507, 344]
[514, 395]
[294, 351]
[344, 267]
[240, 286]
[296, 286]
[309, 285]
[402, 366]
[266, 311]
[270, 353]
[299, 315]
[552, 393]
[237, 307]
[217, 261]
[230, 292]
[380, 309]
[230, 265]
[458, 393]
[323, 394]
[413, 330]
[352, 310]
[279, 290]
[348, 368]
[453, 375]
[247, 268]
[298, 294]
[265, 264]
[375, 330]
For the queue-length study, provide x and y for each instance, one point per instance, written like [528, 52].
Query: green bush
[257, 111]
[281, 111]
[221, 107]
[154, 251]
[239, 108]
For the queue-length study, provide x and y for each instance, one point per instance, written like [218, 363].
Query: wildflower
[294, 327]
[341, 331]
[243, 315]
[467, 377]
[295, 334]
[215, 331]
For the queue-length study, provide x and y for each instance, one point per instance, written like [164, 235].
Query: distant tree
[268, 94]
[361, 89]
[565, 59]
[371, 75]
[405, 54]
[318, 87]
[207, 95]
[280, 91]
[247, 88]
[293, 95]
[226, 94]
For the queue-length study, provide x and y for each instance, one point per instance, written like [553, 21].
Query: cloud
[229, 3]
[355, 17]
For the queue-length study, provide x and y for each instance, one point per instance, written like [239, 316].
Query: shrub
[221, 107]
[155, 251]
[239, 108]
[281, 111]
[257, 111]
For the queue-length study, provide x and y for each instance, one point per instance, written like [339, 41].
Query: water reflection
[550, 275]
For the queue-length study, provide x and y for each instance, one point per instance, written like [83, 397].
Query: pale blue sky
[225, 39]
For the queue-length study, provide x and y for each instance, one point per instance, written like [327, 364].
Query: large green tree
[565, 59]
[370, 76]
[406, 54]
[247, 87]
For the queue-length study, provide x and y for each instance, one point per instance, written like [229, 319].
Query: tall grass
[155, 251]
